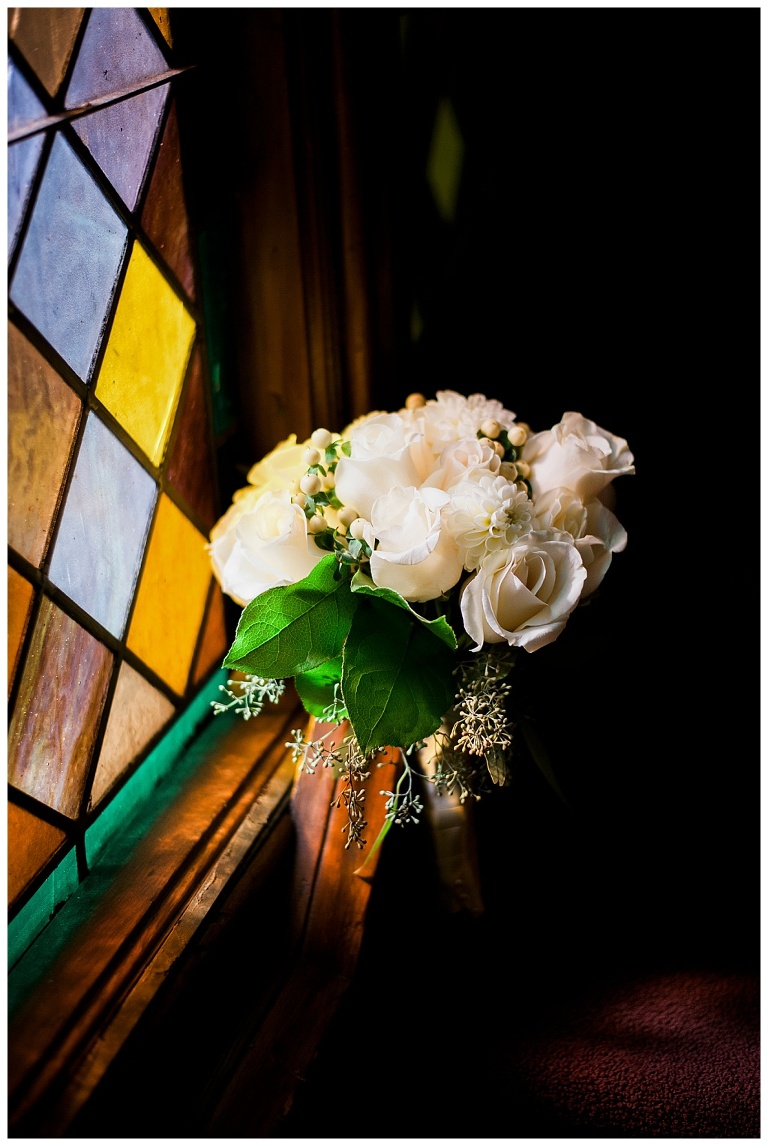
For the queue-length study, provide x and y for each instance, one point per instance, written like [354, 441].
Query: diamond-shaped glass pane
[61, 696]
[34, 842]
[121, 138]
[164, 217]
[103, 528]
[46, 36]
[117, 53]
[172, 596]
[69, 260]
[138, 712]
[146, 356]
[43, 415]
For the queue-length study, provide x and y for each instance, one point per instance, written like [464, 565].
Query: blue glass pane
[22, 164]
[117, 52]
[104, 527]
[23, 105]
[121, 138]
[69, 260]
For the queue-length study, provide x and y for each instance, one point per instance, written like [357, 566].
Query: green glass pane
[104, 527]
[61, 696]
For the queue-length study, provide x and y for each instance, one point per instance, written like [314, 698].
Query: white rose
[460, 459]
[415, 555]
[261, 542]
[577, 454]
[526, 596]
[603, 536]
[450, 416]
[380, 459]
[596, 530]
[277, 469]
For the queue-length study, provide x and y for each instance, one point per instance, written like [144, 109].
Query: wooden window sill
[132, 978]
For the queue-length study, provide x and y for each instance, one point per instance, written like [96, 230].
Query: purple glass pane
[104, 527]
[23, 104]
[69, 260]
[121, 139]
[117, 52]
[22, 163]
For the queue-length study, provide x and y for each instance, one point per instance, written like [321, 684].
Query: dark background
[604, 257]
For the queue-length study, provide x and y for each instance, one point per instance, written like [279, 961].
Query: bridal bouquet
[395, 570]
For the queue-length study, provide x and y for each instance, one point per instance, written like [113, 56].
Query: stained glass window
[116, 627]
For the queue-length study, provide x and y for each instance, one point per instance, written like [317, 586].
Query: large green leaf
[316, 687]
[294, 628]
[397, 676]
[439, 626]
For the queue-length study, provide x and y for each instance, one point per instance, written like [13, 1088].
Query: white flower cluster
[446, 497]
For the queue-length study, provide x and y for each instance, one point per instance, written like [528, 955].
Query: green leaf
[397, 676]
[439, 627]
[316, 687]
[292, 629]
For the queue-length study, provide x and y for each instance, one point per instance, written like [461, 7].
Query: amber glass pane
[213, 641]
[43, 414]
[165, 215]
[46, 37]
[60, 699]
[121, 138]
[31, 842]
[117, 52]
[104, 527]
[137, 712]
[69, 260]
[20, 595]
[146, 356]
[190, 465]
[172, 594]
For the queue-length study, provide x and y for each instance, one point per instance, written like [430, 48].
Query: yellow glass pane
[146, 356]
[170, 604]
[20, 595]
[162, 19]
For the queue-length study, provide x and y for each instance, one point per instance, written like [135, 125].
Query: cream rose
[261, 542]
[578, 454]
[596, 530]
[282, 465]
[415, 555]
[380, 459]
[524, 597]
[460, 460]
